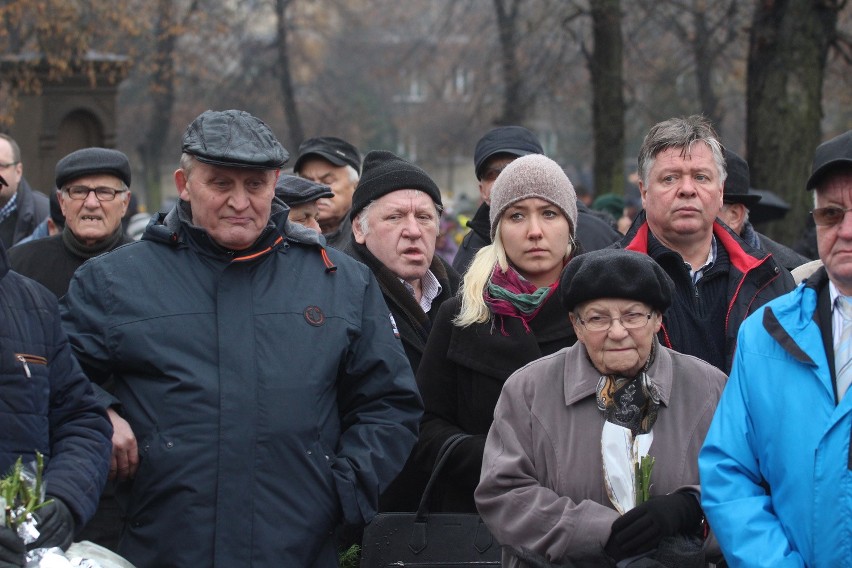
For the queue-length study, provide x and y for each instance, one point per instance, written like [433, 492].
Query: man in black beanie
[396, 211]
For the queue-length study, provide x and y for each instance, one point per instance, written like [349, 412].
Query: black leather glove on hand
[12, 549]
[642, 528]
[55, 526]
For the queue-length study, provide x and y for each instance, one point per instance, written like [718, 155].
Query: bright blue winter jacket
[777, 426]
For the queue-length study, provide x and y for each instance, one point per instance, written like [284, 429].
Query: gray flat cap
[234, 139]
[294, 190]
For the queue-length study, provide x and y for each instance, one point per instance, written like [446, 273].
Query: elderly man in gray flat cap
[260, 372]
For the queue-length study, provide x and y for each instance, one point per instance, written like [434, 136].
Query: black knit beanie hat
[384, 172]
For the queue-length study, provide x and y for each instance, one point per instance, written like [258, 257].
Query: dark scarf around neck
[82, 250]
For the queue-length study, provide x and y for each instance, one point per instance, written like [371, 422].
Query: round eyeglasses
[632, 320]
[81, 192]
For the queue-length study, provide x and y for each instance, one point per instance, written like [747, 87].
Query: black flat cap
[737, 183]
[294, 190]
[615, 273]
[830, 155]
[515, 140]
[338, 152]
[234, 139]
[92, 161]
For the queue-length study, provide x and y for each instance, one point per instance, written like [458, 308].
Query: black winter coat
[460, 379]
[46, 402]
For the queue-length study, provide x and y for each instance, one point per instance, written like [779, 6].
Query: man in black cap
[737, 200]
[301, 196]
[494, 151]
[784, 419]
[21, 208]
[270, 399]
[337, 164]
[93, 193]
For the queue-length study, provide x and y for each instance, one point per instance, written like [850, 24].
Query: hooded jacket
[776, 476]
[269, 397]
[46, 402]
[753, 279]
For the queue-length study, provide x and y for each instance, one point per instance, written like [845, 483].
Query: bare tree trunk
[162, 101]
[285, 78]
[513, 105]
[787, 55]
[704, 64]
[608, 107]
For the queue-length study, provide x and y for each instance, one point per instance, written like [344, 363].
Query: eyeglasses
[632, 320]
[9, 165]
[491, 173]
[828, 216]
[81, 192]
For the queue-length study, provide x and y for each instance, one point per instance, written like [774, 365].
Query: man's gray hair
[354, 176]
[186, 163]
[680, 133]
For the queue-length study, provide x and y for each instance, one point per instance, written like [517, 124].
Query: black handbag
[429, 540]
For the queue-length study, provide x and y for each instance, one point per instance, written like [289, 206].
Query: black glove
[12, 549]
[642, 528]
[55, 526]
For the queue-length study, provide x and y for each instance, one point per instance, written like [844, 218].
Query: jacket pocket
[27, 359]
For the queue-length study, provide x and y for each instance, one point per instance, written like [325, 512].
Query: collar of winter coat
[4, 261]
[175, 228]
[743, 256]
[581, 377]
[481, 222]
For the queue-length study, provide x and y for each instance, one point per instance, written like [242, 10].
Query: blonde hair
[473, 307]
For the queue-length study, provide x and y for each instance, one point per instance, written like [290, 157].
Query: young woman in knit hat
[505, 316]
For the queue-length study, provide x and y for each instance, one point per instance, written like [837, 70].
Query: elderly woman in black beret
[559, 476]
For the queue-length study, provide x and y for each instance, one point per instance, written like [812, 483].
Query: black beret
[738, 182]
[615, 273]
[514, 140]
[829, 155]
[385, 172]
[92, 161]
[338, 152]
[294, 190]
[234, 139]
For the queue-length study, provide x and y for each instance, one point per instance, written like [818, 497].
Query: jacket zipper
[35, 359]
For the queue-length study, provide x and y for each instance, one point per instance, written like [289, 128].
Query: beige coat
[542, 485]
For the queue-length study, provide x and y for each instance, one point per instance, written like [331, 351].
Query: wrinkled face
[683, 195]
[616, 350]
[493, 166]
[306, 214]
[91, 220]
[232, 204]
[332, 210]
[402, 231]
[535, 235]
[835, 242]
[9, 170]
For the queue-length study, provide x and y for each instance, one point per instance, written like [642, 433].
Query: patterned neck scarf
[630, 402]
[508, 294]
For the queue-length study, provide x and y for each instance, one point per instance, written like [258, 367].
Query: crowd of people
[277, 358]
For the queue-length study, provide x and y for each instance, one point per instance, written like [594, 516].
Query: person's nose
[616, 329]
[534, 231]
[411, 229]
[91, 201]
[239, 199]
[687, 187]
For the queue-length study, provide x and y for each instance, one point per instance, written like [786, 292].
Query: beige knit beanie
[533, 176]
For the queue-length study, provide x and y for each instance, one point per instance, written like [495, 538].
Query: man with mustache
[719, 279]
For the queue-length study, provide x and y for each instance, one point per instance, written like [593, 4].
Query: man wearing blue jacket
[46, 406]
[270, 399]
[776, 467]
